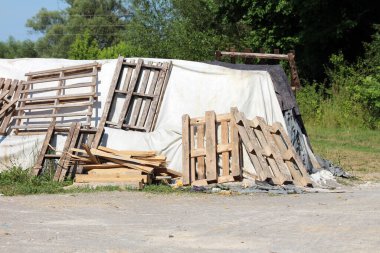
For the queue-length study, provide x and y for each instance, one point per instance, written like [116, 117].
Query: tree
[104, 20]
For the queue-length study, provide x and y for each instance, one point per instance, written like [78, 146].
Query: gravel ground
[141, 222]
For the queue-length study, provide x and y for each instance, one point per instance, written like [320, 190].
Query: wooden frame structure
[205, 141]
[76, 136]
[9, 93]
[140, 87]
[61, 95]
[270, 151]
[248, 55]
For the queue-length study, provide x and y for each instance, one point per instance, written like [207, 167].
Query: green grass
[17, 181]
[356, 150]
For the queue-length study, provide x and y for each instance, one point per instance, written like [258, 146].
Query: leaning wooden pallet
[10, 91]
[205, 141]
[76, 136]
[283, 163]
[62, 95]
[141, 87]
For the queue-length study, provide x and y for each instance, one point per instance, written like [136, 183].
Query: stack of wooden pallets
[211, 149]
[106, 165]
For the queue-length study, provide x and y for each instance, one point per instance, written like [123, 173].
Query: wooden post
[186, 149]
[233, 57]
[248, 60]
[218, 55]
[211, 160]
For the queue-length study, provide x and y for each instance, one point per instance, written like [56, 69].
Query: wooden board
[141, 94]
[64, 95]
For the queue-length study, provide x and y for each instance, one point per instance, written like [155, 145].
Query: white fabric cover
[193, 88]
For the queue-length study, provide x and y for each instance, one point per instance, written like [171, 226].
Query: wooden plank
[39, 126]
[201, 159]
[50, 106]
[211, 159]
[72, 86]
[105, 178]
[114, 172]
[90, 155]
[124, 158]
[225, 179]
[143, 168]
[70, 68]
[186, 150]
[219, 119]
[138, 101]
[284, 137]
[221, 148]
[158, 97]
[192, 159]
[148, 102]
[40, 116]
[276, 153]
[245, 133]
[168, 68]
[108, 103]
[61, 78]
[60, 97]
[225, 155]
[127, 79]
[40, 159]
[256, 55]
[139, 153]
[236, 170]
[170, 172]
[101, 166]
[62, 161]
[131, 88]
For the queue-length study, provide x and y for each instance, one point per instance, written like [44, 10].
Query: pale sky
[14, 14]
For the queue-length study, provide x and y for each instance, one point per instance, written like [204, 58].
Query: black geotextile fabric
[288, 104]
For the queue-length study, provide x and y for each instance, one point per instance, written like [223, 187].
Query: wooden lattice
[270, 151]
[139, 88]
[62, 95]
[9, 93]
[205, 142]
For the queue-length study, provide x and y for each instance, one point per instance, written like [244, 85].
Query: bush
[351, 98]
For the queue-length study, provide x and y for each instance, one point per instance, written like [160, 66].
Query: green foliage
[17, 181]
[17, 49]
[103, 20]
[84, 47]
[122, 48]
[352, 97]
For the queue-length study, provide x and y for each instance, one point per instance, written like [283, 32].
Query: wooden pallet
[270, 151]
[62, 95]
[205, 141]
[10, 91]
[248, 56]
[140, 87]
[76, 136]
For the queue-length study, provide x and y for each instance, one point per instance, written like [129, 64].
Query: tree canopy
[193, 30]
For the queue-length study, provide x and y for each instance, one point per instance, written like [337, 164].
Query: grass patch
[356, 150]
[17, 181]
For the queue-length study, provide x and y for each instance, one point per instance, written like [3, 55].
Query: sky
[14, 14]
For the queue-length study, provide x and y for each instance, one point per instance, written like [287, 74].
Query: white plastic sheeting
[193, 88]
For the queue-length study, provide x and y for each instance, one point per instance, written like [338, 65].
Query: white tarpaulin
[193, 88]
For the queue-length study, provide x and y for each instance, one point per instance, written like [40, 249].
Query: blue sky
[14, 14]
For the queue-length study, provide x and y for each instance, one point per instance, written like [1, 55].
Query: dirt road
[140, 222]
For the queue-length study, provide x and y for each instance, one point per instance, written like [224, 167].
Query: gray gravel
[141, 222]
